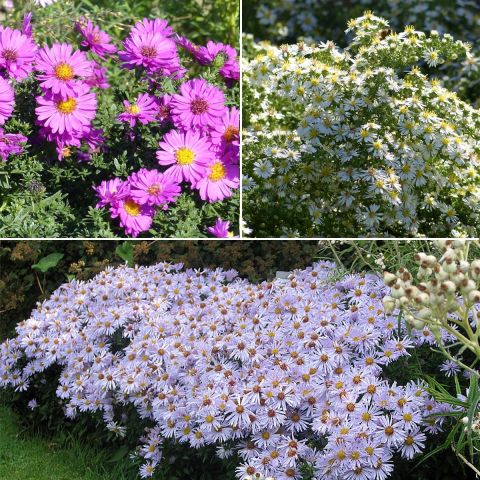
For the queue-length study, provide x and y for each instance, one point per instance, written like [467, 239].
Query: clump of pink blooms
[199, 149]
[284, 373]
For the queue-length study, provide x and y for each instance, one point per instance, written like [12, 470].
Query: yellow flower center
[133, 109]
[132, 208]
[67, 106]
[185, 156]
[64, 72]
[217, 172]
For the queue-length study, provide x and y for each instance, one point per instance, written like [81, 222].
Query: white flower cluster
[286, 374]
[318, 20]
[360, 141]
[446, 298]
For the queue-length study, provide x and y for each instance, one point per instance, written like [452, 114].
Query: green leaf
[125, 252]
[48, 262]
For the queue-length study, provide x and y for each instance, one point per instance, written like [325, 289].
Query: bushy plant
[321, 20]
[286, 374]
[138, 124]
[359, 141]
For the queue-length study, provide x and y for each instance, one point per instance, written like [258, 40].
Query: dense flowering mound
[359, 141]
[171, 137]
[284, 373]
[321, 20]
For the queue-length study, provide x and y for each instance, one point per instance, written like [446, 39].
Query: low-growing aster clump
[359, 141]
[171, 136]
[284, 374]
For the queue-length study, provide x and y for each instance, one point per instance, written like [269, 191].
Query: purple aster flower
[199, 105]
[450, 368]
[134, 218]
[10, 144]
[219, 182]
[107, 192]
[17, 53]
[98, 78]
[150, 187]
[151, 51]
[221, 229]
[158, 25]
[6, 101]
[95, 39]
[144, 110]
[62, 68]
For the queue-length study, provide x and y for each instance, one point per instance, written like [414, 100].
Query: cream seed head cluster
[282, 374]
[444, 296]
[359, 141]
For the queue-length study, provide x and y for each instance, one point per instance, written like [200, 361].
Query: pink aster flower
[226, 131]
[10, 144]
[134, 218]
[151, 51]
[221, 229]
[219, 181]
[98, 78]
[150, 187]
[6, 101]
[144, 110]
[158, 25]
[205, 55]
[17, 53]
[163, 108]
[95, 39]
[62, 67]
[188, 154]
[70, 114]
[107, 192]
[198, 105]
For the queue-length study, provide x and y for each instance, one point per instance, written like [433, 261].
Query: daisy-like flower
[151, 51]
[10, 144]
[198, 105]
[95, 39]
[221, 229]
[432, 57]
[67, 114]
[134, 218]
[226, 130]
[6, 101]
[189, 155]
[17, 53]
[61, 68]
[150, 187]
[107, 192]
[219, 181]
[144, 110]
[157, 25]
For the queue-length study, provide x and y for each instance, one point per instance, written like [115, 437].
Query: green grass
[24, 457]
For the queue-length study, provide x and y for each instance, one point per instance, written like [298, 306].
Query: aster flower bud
[389, 304]
[474, 296]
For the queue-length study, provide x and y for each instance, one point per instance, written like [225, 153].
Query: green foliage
[48, 262]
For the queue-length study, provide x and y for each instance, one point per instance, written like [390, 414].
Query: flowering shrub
[286, 374]
[360, 141]
[158, 147]
[322, 20]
